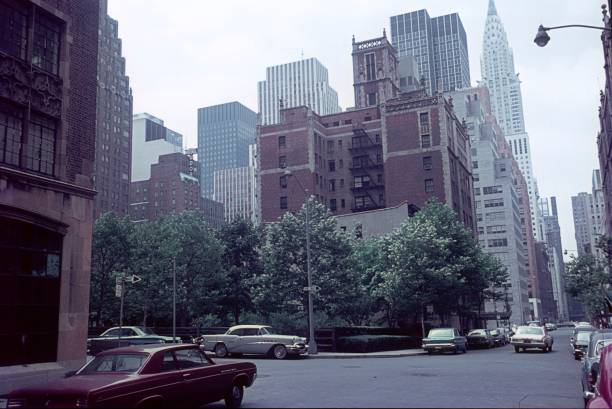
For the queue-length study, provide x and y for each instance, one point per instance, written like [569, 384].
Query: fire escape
[367, 164]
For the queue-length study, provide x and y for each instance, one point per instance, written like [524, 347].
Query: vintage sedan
[144, 376]
[601, 397]
[253, 339]
[531, 337]
[129, 336]
[444, 339]
[590, 361]
[480, 338]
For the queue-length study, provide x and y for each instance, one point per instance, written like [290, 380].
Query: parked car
[535, 323]
[530, 337]
[144, 376]
[498, 339]
[601, 397]
[253, 339]
[480, 338]
[577, 330]
[505, 335]
[590, 363]
[580, 344]
[444, 339]
[129, 336]
[550, 326]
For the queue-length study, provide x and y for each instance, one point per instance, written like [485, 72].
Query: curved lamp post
[312, 343]
[542, 38]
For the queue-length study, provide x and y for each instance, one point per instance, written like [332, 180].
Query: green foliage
[587, 279]
[374, 343]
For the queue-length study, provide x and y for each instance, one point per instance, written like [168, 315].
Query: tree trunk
[423, 320]
[144, 318]
[236, 314]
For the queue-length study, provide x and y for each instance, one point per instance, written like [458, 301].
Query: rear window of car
[477, 332]
[530, 331]
[120, 363]
[442, 333]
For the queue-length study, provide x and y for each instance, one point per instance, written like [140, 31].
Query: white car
[129, 336]
[253, 339]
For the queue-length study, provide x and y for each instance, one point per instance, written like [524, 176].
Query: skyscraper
[224, 134]
[439, 46]
[497, 67]
[114, 122]
[303, 82]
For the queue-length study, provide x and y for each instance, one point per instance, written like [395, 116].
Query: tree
[241, 258]
[587, 279]
[281, 286]
[111, 253]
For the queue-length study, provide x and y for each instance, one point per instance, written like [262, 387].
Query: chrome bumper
[438, 346]
[528, 344]
[296, 349]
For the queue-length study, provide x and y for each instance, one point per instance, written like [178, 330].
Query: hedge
[374, 343]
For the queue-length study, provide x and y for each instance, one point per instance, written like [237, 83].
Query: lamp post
[542, 38]
[312, 343]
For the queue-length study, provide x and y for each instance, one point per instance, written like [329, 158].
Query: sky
[185, 54]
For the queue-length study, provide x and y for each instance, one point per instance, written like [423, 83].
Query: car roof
[248, 326]
[146, 349]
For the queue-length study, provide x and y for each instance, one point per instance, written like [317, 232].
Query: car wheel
[279, 352]
[220, 350]
[234, 398]
[517, 349]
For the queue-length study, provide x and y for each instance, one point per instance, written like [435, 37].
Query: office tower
[172, 187]
[224, 134]
[439, 46]
[112, 171]
[236, 188]
[150, 140]
[497, 197]
[497, 67]
[299, 83]
[49, 60]
[339, 158]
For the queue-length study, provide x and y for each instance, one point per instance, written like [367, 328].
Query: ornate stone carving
[19, 84]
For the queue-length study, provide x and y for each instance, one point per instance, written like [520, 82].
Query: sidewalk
[382, 354]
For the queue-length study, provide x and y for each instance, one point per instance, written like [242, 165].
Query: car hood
[75, 385]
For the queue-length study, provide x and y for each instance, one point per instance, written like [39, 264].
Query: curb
[365, 355]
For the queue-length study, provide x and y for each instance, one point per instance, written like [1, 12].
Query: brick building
[391, 148]
[173, 187]
[114, 122]
[48, 65]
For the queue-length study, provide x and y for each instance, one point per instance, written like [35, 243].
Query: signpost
[120, 282]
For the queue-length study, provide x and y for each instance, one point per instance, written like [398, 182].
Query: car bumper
[296, 349]
[439, 347]
[531, 344]
[478, 342]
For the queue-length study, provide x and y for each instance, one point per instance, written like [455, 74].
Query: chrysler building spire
[492, 9]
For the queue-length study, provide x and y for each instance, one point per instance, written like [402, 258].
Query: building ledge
[44, 182]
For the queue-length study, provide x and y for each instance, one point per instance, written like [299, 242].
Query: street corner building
[48, 65]
[394, 146]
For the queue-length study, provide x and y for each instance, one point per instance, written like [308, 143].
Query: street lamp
[312, 343]
[542, 38]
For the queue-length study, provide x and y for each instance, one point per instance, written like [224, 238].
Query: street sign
[314, 288]
[132, 279]
[118, 289]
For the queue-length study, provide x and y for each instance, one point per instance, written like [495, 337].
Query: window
[425, 141]
[282, 162]
[341, 183]
[496, 229]
[347, 122]
[169, 364]
[332, 165]
[332, 185]
[283, 182]
[341, 164]
[332, 205]
[282, 142]
[361, 181]
[283, 202]
[424, 122]
[372, 99]
[190, 358]
[427, 163]
[474, 165]
[370, 66]
[342, 203]
[339, 144]
[45, 50]
[40, 151]
[498, 242]
[379, 178]
[429, 185]
[13, 31]
[10, 133]
[494, 203]
[489, 190]
[330, 146]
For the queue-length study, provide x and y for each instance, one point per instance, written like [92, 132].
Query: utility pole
[174, 299]
[312, 344]
[122, 290]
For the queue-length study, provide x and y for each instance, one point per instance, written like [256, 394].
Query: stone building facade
[173, 187]
[48, 64]
[392, 148]
[114, 122]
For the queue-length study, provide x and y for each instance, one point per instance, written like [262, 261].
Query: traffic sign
[132, 279]
[314, 288]
[118, 289]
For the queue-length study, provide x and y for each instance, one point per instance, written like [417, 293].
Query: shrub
[374, 343]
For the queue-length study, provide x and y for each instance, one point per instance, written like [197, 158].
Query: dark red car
[144, 376]
[602, 397]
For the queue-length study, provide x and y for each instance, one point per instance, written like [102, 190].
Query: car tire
[279, 352]
[221, 350]
[517, 349]
[233, 399]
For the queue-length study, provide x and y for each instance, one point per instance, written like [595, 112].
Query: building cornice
[43, 182]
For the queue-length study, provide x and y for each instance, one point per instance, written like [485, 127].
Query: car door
[203, 380]
[233, 340]
[249, 341]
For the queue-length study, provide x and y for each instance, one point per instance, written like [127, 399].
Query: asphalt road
[496, 378]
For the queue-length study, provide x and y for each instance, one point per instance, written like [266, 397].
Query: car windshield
[146, 331]
[441, 333]
[477, 332]
[601, 345]
[267, 331]
[530, 331]
[583, 336]
[120, 363]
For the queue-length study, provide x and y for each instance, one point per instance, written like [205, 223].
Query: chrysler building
[498, 74]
